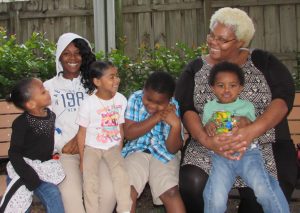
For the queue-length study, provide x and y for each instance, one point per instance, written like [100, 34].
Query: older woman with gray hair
[268, 85]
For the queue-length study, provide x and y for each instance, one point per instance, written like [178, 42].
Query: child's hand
[81, 166]
[242, 121]
[210, 128]
[158, 116]
[71, 147]
[169, 116]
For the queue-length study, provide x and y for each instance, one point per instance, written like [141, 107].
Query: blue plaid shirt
[154, 140]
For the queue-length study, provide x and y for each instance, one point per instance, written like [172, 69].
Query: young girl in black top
[31, 168]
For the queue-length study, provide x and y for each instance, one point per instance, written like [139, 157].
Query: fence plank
[189, 25]
[51, 16]
[159, 25]
[169, 6]
[298, 26]
[163, 21]
[288, 28]
[3, 16]
[63, 22]
[173, 25]
[56, 13]
[145, 26]
[240, 3]
[130, 30]
[272, 30]
[258, 18]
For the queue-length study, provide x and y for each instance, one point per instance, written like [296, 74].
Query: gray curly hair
[238, 20]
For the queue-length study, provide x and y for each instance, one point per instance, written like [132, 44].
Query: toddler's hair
[96, 70]
[161, 82]
[20, 93]
[226, 67]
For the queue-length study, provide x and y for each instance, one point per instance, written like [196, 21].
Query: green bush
[36, 58]
[134, 72]
[33, 58]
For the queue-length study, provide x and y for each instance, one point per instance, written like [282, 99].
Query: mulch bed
[144, 204]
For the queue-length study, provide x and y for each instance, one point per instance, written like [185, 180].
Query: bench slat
[294, 114]
[297, 99]
[9, 112]
[296, 139]
[7, 120]
[294, 127]
[5, 134]
[8, 108]
[4, 149]
[294, 120]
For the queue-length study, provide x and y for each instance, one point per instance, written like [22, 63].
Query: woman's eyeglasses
[218, 40]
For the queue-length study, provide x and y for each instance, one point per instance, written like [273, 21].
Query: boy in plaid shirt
[154, 133]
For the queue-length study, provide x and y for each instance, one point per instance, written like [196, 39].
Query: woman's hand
[227, 145]
[71, 147]
[240, 138]
[242, 121]
[210, 128]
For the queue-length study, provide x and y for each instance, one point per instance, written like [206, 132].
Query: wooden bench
[294, 120]
[8, 113]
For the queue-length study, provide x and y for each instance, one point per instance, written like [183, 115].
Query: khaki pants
[114, 160]
[143, 167]
[71, 187]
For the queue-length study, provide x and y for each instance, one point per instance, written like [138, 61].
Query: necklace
[109, 106]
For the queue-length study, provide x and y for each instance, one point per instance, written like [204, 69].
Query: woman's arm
[191, 120]
[185, 87]
[274, 113]
[282, 88]
[81, 142]
[71, 147]
[193, 124]
[278, 77]
[221, 144]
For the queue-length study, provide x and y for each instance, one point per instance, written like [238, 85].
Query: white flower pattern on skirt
[50, 171]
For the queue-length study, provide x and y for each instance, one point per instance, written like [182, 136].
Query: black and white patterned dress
[257, 90]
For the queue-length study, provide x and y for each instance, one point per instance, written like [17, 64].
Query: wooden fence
[51, 16]
[166, 22]
[149, 22]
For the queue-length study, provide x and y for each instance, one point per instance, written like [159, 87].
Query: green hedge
[36, 58]
[33, 58]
